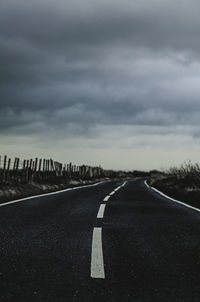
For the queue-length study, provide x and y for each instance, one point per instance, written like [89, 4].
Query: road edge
[48, 194]
[170, 198]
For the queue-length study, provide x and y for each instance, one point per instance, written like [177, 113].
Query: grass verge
[181, 183]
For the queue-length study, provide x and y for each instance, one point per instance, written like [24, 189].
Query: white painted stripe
[101, 211]
[97, 265]
[112, 193]
[172, 199]
[146, 183]
[48, 194]
[106, 198]
[117, 188]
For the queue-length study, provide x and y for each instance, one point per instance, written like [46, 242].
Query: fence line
[39, 169]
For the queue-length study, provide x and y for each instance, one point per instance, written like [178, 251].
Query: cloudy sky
[107, 82]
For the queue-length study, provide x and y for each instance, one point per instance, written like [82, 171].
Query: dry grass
[187, 173]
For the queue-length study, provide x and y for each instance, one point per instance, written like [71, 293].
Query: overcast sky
[107, 82]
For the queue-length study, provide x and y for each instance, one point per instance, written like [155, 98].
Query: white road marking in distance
[97, 264]
[112, 193]
[115, 190]
[172, 199]
[48, 194]
[101, 211]
[106, 198]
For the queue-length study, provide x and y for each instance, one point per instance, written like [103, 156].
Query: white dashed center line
[112, 193]
[101, 211]
[106, 198]
[97, 265]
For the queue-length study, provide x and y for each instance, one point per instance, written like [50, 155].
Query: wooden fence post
[40, 165]
[36, 164]
[14, 164]
[30, 164]
[17, 166]
[4, 164]
[4, 168]
[8, 169]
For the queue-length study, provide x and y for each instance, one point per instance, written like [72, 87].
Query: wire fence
[38, 169]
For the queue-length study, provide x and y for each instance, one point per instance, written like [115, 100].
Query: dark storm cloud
[96, 62]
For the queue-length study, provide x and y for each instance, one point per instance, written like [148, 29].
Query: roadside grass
[181, 182]
[188, 174]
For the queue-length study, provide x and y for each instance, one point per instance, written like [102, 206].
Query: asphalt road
[150, 247]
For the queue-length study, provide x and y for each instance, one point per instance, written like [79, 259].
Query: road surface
[115, 241]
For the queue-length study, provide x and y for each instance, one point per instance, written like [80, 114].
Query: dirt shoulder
[13, 192]
[181, 189]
